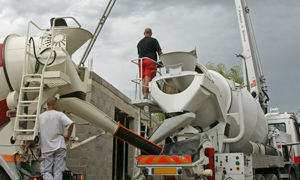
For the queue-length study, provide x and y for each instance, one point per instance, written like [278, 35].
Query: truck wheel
[3, 175]
[271, 177]
[259, 177]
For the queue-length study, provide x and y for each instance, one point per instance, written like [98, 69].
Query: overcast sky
[209, 25]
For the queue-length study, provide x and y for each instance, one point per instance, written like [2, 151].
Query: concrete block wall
[94, 159]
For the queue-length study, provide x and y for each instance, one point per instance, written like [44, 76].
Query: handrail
[139, 79]
[136, 61]
[52, 29]
[66, 17]
[242, 122]
[63, 17]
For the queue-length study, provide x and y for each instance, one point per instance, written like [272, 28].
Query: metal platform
[147, 105]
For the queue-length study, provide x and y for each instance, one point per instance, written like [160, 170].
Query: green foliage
[158, 116]
[232, 73]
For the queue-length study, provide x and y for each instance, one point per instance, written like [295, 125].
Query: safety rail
[52, 30]
[139, 80]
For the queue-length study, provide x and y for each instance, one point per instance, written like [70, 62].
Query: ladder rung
[137, 81]
[25, 137]
[27, 105]
[20, 117]
[35, 80]
[26, 116]
[27, 120]
[24, 130]
[28, 102]
[31, 75]
[30, 88]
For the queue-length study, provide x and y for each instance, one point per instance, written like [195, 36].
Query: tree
[159, 116]
[232, 73]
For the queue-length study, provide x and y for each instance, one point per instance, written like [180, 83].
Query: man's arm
[159, 52]
[157, 47]
[67, 122]
[70, 130]
[25, 151]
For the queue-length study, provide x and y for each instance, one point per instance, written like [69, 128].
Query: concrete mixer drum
[212, 98]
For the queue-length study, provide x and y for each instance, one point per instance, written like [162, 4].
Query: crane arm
[105, 15]
[253, 75]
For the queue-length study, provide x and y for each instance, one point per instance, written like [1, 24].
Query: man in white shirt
[53, 146]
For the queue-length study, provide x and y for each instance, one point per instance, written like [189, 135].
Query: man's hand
[25, 151]
[67, 138]
[70, 129]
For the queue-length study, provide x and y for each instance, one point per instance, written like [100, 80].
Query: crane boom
[105, 15]
[253, 75]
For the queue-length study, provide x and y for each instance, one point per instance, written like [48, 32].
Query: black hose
[265, 95]
[37, 65]
[35, 158]
[23, 169]
[17, 166]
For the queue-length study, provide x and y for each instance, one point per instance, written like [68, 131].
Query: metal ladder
[22, 129]
[26, 122]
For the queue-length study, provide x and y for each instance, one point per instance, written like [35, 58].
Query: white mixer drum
[4, 90]
[205, 94]
[13, 55]
[185, 59]
[256, 128]
[180, 61]
[255, 123]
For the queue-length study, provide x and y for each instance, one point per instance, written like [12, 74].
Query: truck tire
[271, 177]
[259, 177]
[3, 175]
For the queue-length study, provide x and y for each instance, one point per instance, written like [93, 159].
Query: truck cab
[287, 128]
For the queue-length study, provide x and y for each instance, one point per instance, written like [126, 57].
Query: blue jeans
[53, 164]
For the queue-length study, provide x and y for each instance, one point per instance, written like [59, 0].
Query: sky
[210, 26]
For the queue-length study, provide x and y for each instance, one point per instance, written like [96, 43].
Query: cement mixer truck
[36, 67]
[215, 128]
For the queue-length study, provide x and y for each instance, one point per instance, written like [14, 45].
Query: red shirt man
[148, 47]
